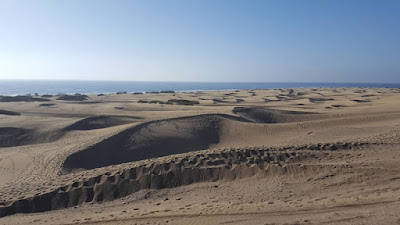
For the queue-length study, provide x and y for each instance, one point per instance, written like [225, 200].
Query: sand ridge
[182, 170]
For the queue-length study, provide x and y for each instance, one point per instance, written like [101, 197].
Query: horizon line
[144, 81]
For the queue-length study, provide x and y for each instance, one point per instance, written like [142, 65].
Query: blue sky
[270, 41]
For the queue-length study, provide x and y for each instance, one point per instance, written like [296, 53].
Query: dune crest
[150, 140]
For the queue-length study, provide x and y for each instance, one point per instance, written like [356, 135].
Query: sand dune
[182, 170]
[150, 140]
[285, 156]
[98, 122]
[264, 115]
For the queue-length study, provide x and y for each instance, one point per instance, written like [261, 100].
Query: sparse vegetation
[76, 97]
[183, 102]
[271, 100]
[46, 104]
[218, 101]
[161, 92]
[22, 98]
[9, 113]
[238, 100]
[171, 102]
[361, 101]
[155, 102]
[320, 99]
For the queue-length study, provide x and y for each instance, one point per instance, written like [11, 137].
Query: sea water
[23, 87]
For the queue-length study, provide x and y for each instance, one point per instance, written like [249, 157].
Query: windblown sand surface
[287, 156]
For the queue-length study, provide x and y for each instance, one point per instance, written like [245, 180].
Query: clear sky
[200, 40]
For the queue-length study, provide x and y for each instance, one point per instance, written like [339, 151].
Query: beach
[254, 156]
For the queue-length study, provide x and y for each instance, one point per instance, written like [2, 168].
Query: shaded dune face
[150, 140]
[98, 122]
[11, 136]
[263, 115]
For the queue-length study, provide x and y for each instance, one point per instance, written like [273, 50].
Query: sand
[284, 156]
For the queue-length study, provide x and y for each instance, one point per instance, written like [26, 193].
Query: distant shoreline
[53, 87]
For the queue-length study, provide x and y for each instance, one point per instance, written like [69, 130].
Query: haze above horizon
[207, 41]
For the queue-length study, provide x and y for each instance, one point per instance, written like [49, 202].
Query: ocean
[23, 87]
